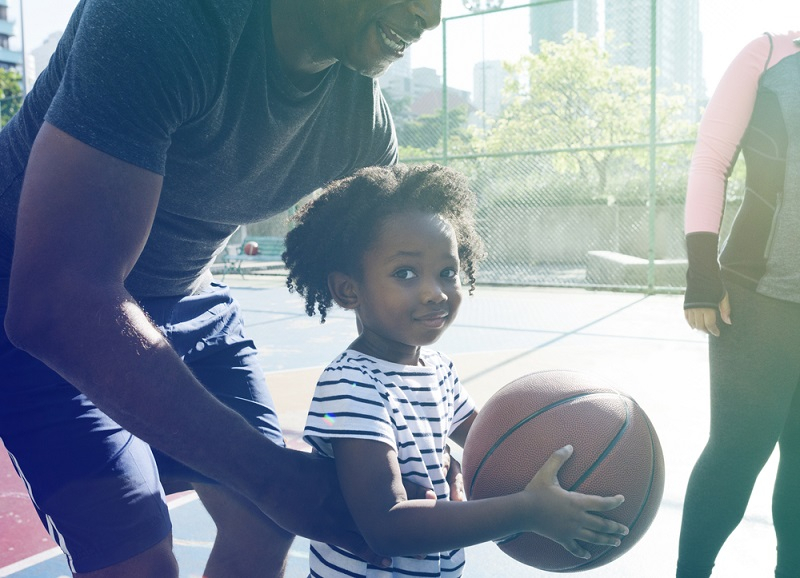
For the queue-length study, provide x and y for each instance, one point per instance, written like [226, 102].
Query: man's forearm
[103, 343]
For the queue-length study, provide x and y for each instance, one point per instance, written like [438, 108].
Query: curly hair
[333, 231]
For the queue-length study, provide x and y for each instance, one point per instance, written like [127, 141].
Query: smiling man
[156, 130]
[366, 36]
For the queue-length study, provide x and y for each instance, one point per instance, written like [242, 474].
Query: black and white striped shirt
[411, 408]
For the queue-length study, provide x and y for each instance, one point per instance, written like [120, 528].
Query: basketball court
[640, 343]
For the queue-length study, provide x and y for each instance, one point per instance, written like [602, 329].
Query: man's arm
[84, 217]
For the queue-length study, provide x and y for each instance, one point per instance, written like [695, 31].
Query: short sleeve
[463, 404]
[347, 404]
[136, 71]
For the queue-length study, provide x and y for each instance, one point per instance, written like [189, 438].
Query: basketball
[616, 451]
[251, 248]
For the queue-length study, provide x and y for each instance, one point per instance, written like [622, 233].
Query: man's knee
[156, 562]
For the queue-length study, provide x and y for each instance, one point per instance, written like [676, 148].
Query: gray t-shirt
[193, 90]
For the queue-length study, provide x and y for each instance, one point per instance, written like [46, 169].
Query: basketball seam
[645, 501]
[589, 470]
[608, 449]
[511, 431]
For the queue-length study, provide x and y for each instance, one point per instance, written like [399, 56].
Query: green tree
[570, 96]
[10, 94]
[423, 135]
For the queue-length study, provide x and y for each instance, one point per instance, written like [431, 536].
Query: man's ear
[343, 289]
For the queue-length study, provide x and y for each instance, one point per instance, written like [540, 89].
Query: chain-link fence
[575, 121]
[577, 138]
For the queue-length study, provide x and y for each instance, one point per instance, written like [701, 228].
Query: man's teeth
[396, 46]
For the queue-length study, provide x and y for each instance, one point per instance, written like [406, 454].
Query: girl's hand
[568, 517]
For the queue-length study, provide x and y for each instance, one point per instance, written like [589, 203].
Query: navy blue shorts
[96, 487]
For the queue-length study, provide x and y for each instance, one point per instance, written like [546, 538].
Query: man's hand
[455, 479]
[705, 318]
[454, 476]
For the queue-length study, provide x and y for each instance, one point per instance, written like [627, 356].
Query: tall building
[425, 80]
[488, 78]
[551, 21]
[41, 54]
[679, 51]
[8, 58]
[413, 92]
[397, 82]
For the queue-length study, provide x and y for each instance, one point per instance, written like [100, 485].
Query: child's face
[410, 290]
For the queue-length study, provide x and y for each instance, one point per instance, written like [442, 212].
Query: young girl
[392, 244]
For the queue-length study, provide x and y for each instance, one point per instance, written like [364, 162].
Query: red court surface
[640, 343]
[21, 533]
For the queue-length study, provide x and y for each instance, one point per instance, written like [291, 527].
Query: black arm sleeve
[704, 286]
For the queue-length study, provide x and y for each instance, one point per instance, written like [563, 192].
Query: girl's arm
[394, 526]
[459, 435]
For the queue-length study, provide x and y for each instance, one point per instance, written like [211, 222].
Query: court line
[31, 561]
[561, 335]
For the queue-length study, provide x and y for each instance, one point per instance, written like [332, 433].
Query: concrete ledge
[612, 269]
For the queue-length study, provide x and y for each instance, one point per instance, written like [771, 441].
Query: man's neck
[298, 41]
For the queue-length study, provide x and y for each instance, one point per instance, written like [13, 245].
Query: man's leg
[94, 486]
[248, 543]
[157, 562]
[207, 330]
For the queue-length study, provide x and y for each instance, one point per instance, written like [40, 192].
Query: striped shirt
[411, 408]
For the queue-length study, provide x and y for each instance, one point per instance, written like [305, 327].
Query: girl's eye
[449, 273]
[404, 274]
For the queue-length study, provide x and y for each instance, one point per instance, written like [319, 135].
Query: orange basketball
[251, 248]
[616, 451]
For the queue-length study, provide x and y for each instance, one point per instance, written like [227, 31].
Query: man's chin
[370, 70]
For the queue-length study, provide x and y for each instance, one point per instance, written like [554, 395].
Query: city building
[418, 90]
[550, 21]
[8, 58]
[397, 82]
[424, 81]
[679, 52]
[488, 78]
[42, 53]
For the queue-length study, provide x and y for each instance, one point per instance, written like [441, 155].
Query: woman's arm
[721, 130]
[394, 526]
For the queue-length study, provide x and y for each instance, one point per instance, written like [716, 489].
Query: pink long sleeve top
[753, 109]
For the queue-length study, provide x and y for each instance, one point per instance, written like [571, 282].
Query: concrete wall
[567, 234]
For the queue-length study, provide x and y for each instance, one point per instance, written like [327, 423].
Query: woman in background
[748, 301]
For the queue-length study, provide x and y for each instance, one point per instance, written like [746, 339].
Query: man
[155, 131]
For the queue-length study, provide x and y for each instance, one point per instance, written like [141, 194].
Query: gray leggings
[755, 403]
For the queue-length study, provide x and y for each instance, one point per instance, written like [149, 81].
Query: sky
[726, 26]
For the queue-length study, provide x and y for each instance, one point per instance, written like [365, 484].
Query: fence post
[651, 253]
[445, 114]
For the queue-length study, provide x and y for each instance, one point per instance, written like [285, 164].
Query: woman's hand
[705, 318]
